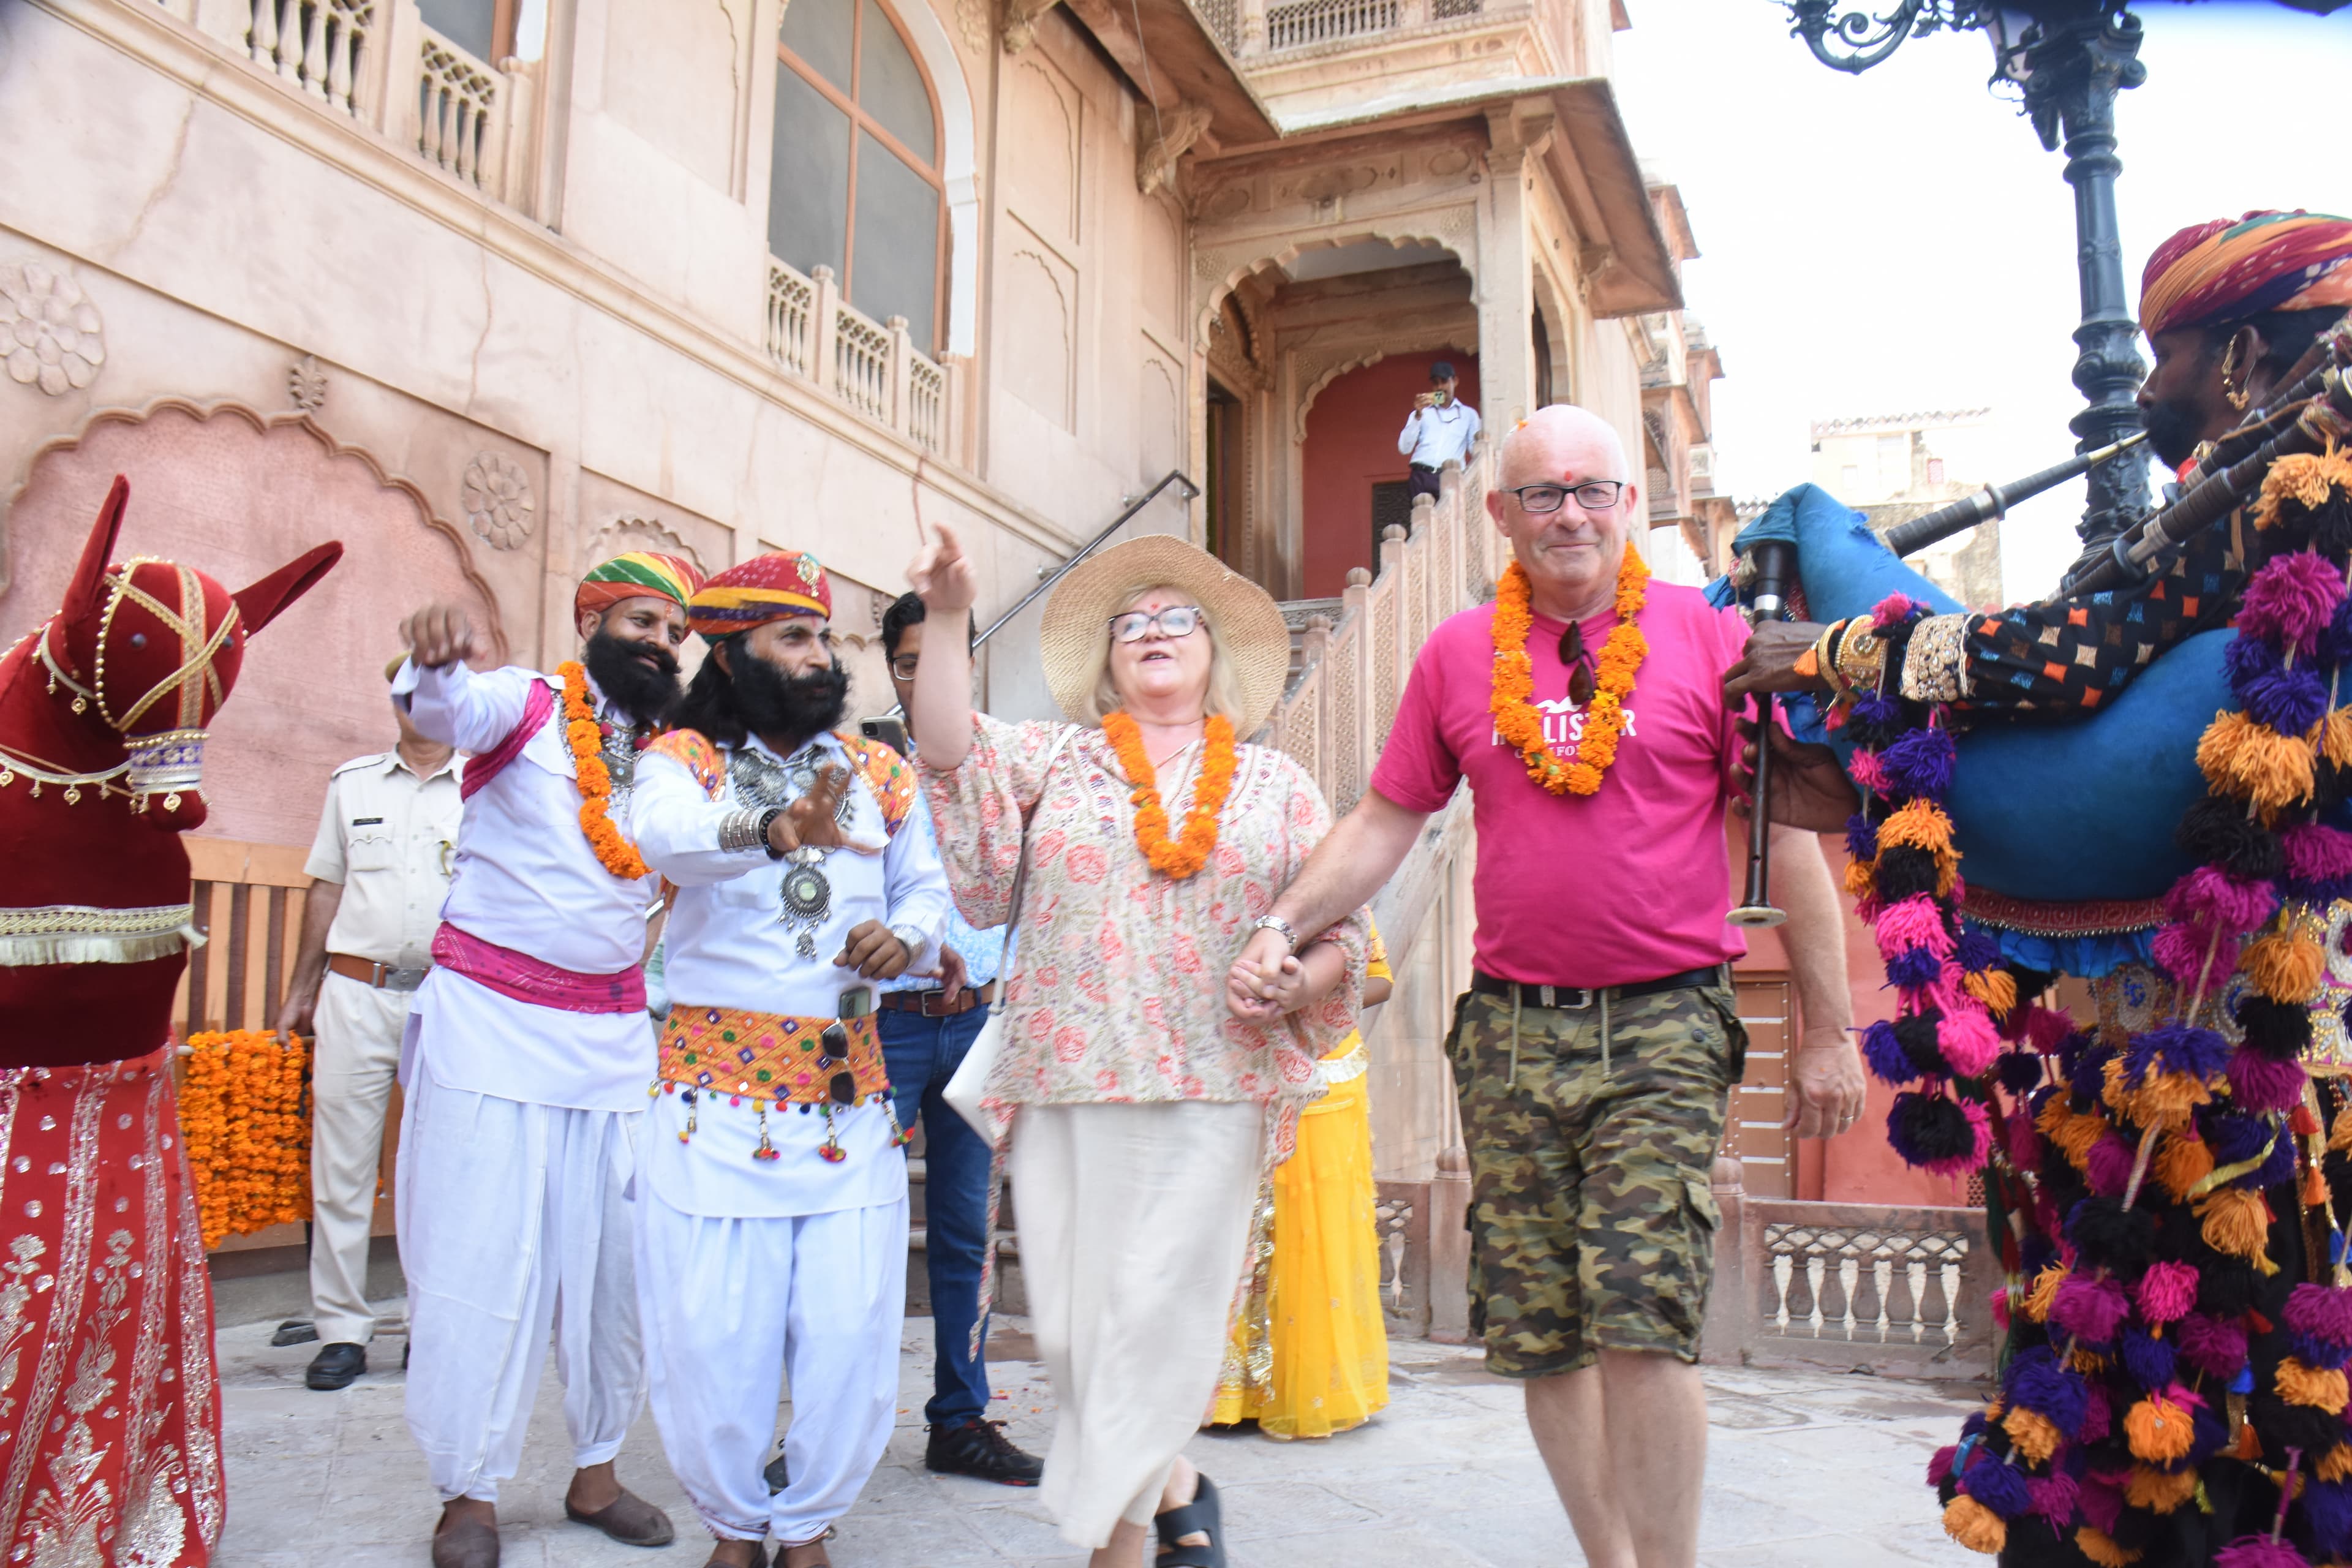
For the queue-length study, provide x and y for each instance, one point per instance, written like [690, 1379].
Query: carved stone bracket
[1155, 160]
[1021, 22]
[1518, 131]
[306, 385]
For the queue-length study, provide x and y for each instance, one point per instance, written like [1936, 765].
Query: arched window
[855, 183]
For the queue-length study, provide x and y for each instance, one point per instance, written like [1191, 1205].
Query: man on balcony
[1596, 1049]
[1439, 430]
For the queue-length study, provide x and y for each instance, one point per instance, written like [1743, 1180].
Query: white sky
[1901, 241]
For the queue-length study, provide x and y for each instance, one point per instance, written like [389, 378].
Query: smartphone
[891, 732]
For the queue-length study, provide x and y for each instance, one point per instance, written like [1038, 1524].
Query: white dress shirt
[728, 946]
[527, 878]
[1435, 436]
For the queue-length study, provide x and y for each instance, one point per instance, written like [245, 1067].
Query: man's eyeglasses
[1175, 621]
[903, 667]
[1592, 495]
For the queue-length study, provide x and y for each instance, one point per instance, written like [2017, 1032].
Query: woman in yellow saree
[1309, 1352]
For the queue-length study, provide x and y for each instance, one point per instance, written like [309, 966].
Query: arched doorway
[1352, 476]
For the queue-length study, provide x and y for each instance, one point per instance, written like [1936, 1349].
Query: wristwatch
[1280, 927]
[908, 938]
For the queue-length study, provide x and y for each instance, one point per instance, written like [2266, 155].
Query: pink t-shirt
[1626, 885]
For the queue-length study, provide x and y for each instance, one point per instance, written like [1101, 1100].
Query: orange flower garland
[1191, 849]
[246, 1130]
[586, 738]
[1516, 719]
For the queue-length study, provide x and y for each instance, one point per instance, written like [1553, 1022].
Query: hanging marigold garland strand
[247, 1131]
[1189, 850]
[1516, 719]
[586, 738]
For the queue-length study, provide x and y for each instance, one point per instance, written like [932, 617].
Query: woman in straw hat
[1141, 1112]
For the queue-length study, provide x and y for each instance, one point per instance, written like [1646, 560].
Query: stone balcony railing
[1255, 28]
[873, 366]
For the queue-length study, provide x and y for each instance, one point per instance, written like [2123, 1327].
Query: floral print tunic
[1117, 988]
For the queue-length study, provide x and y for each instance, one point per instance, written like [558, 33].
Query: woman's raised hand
[942, 573]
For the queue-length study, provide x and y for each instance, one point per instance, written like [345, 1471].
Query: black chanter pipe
[1994, 500]
[1775, 561]
[2325, 418]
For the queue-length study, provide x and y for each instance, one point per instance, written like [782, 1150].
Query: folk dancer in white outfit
[771, 1208]
[527, 1056]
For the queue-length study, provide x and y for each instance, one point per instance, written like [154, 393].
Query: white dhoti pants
[1134, 1222]
[357, 1048]
[512, 1220]
[732, 1307]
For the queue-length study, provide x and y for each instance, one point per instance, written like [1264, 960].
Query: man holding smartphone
[1439, 430]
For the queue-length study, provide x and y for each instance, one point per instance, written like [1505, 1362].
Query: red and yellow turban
[765, 588]
[2224, 271]
[635, 575]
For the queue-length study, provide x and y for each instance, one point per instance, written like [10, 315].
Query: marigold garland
[1516, 720]
[1189, 851]
[586, 738]
[247, 1131]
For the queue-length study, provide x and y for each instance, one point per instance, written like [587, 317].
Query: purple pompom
[2089, 1308]
[2336, 640]
[2290, 701]
[2188, 953]
[2247, 660]
[1977, 950]
[2290, 599]
[2225, 902]
[2176, 1047]
[1861, 838]
[2054, 1498]
[2258, 1552]
[1917, 967]
[2327, 1509]
[2147, 1360]
[1939, 1463]
[1885, 1054]
[1919, 764]
[2316, 853]
[2323, 1312]
[2277, 1167]
[2258, 1082]
[1999, 1487]
[2035, 1382]
[2108, 1169]
[2325, 1354]
[2214, 1346]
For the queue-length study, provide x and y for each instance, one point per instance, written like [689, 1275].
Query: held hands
[1831, 1089]
[441, 635]
[942, 573]
[874, 951]
[1769, 663]
[1266, 981]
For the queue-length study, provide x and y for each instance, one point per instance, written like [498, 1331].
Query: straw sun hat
[1242, 615]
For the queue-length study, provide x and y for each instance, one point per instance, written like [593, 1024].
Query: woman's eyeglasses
[1592, 495]
[1175, 621]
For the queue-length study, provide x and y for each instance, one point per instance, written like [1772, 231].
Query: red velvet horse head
[123, 679]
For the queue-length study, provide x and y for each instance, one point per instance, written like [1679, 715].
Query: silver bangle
[908, 938]
[1281, 927]
[739, 830]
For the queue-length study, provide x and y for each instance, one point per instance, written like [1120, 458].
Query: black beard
[621, 673]
[773, 703]
[2174, 429]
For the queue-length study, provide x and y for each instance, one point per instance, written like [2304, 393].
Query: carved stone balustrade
[873, 366]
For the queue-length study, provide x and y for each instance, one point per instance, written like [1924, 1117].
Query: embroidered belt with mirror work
[772, 1061]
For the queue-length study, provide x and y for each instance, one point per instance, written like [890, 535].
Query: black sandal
[1201, 1516]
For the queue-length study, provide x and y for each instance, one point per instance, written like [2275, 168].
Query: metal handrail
[1173, 477]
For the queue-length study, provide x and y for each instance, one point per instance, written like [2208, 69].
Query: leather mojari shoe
[978, 1448]
[468, 1543]
[334, 1367]
[627, 1518]
[759, 1557]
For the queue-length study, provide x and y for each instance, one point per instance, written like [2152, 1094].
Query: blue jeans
[923, 1054]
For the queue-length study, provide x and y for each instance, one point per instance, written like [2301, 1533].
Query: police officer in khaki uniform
[387, 836]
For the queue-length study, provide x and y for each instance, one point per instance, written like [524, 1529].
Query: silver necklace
[807, 895]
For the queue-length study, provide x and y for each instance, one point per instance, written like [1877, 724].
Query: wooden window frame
[859, 120]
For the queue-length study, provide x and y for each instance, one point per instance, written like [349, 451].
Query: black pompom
[2135, 1529]
[2282, 1426]
[1929, 1128]
[2218, 832]
[2106, 1233]
[1904, 872]
[2225, 1287]
[2019, 1071]
[1917, 1034]
[2033, 1544]
[2276, 1029]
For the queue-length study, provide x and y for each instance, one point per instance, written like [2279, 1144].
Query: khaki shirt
[390, 838]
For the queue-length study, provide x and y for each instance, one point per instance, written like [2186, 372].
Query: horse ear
[85, 591]
[257, 603]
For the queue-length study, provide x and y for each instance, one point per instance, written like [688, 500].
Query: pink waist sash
[535, 981]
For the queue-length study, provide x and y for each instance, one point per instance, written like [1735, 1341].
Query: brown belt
[383, 976]
[934, 1004]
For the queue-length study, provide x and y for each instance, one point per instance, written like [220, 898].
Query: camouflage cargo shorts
[1592, 1225]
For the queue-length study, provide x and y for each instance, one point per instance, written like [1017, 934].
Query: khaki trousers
[357, 1054]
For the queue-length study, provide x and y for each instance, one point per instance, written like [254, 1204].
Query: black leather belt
[1578, 997]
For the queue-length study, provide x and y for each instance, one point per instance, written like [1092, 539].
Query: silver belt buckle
[390, 979]
[1570, 998]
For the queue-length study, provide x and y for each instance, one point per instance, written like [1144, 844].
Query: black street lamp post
[2067, 59]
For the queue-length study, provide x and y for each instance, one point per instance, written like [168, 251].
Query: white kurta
[518, 1145]
[753, 1270]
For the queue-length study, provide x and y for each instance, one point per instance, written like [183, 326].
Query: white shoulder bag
[965, 1090]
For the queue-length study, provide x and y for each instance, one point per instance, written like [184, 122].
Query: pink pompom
[2214, 1346]
[2212, 895]
[1999, 1300]
[1939, 1463]
[2260, 1083]
[2108, 1170]
[2188, 952]
[2048, 1029]
[2317, 854]
[2258, 1552]
[2023, 1141]
[2324, 1313]
[1979, 1146]
[2102, 1497]
[2090, 1307]
[2055, 1497]
[1913, 922]
[1867, 772]
[1968, 1040]
[2166, 1292]
[1893, 608]
[2290, 600]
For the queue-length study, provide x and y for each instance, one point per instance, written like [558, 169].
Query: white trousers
[513, 1221]
[357, 1053]
[1134, 1222]
[732, 1308]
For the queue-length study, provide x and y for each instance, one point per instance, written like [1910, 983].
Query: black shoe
[334, 1366]
[977, 1448]
[777, 1475]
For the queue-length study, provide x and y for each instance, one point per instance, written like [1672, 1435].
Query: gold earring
[2236, 396]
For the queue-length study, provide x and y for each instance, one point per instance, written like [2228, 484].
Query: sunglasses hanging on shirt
[1580, 666]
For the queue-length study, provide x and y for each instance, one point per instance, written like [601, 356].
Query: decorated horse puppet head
[103, 707]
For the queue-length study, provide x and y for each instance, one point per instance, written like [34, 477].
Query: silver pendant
[807, 898]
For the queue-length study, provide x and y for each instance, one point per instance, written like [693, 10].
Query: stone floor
[1802, 1469]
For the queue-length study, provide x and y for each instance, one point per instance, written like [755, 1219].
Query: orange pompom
[2044, 1291]
[2159, 1430]
[2101, 1549]
[2335, 1465]
[2159, 1491]
[1996, 988]
[2077, 1135]
[2236, 1222]
[2180, 1163]
[2035, 1436]
[2332, 737]
[2320, 1388]
[2300, 480]
[1975, 1526]
[2286, 967]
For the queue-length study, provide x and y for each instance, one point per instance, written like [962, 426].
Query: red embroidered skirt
[109, 1406]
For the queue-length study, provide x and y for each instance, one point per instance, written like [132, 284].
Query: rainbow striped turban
[2222, 271]
[635, 575]
[765, 588]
